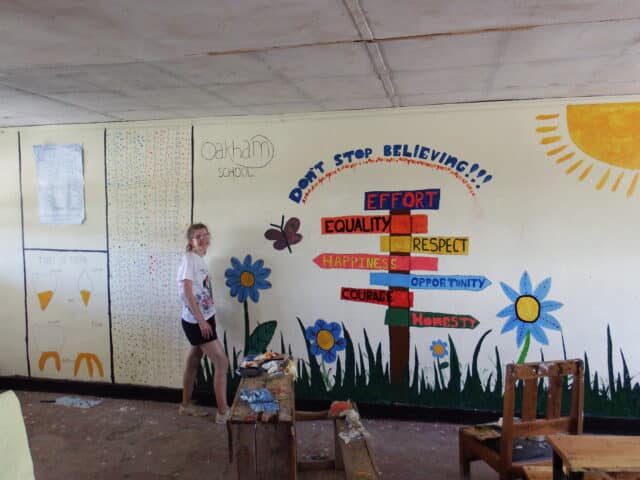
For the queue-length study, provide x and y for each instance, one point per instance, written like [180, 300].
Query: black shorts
[194, 335]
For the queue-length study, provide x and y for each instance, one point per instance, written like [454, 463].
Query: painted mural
[401, 257]
[68, 315]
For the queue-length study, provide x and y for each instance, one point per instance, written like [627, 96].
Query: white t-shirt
[193, 267]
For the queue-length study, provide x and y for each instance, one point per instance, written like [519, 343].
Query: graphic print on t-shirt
[206, 301]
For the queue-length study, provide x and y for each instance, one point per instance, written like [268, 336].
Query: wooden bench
[354, 458]
[263, 445]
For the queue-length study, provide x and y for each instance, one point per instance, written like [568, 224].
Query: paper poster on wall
[60, 183]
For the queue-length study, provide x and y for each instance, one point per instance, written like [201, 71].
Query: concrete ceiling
[75, 61]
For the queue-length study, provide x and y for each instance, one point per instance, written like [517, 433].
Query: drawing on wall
[49, 340]
[471, 174]
[45, 285]
[600, 135]
[60, 183]
[85, 287]
[89, 359]
[400, 225]
[148, 174]
[529, 313]
[439, 351]
[465, 367]
[325, 341]
[245, 280]
[67, 328]
[285, 234]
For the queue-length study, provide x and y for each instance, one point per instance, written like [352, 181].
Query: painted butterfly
[284, 235]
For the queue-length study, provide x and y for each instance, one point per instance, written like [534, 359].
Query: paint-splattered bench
[352, 451]
[263, 445]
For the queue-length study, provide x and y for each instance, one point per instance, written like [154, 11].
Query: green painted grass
[363, 376]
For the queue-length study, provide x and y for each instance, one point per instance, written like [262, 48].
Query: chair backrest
[527, 378]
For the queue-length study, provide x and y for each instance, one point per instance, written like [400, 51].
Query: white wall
[555, 218]
[13, 359]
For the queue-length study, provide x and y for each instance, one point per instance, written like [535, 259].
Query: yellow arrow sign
[432, 245]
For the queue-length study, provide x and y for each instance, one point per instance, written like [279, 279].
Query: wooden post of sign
[399, 335]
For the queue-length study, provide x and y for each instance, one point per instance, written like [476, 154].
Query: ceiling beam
[373, 48]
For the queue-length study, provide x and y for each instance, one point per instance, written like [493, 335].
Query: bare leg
[215, 352]
[194, 355]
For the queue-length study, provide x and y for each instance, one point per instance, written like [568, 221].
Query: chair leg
[465, 461]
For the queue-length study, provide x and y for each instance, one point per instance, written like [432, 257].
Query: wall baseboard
[613, 425]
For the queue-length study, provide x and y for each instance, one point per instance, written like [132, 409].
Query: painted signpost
[398, 241]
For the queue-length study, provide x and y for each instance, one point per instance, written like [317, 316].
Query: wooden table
[262, 445]
[618, 456]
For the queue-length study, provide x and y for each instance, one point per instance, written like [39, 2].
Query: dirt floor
[146, 440]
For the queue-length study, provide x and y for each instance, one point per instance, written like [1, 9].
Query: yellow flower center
[438, 349]
[527, 308]
[247, 279]
[325, 340]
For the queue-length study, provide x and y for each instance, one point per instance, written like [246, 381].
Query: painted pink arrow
[365, 261]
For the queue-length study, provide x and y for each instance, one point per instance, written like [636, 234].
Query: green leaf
[260, 338]
[444, 365]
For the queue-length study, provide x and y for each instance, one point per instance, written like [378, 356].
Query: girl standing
[199, 323]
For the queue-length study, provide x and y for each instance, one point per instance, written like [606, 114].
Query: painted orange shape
[86, 295]
[45, 297]
[89, 358]
[609, 132]
[419, 223]
[406, 224]
[46, 356]
[400, 224]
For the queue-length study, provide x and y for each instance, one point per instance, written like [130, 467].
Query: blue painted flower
[529, 313]
[246, 278]
[325, 340]
[439, 349]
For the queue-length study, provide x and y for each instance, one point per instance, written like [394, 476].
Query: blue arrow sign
[431, 282]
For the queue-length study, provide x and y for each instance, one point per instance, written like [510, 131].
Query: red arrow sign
[399, 224]
[397, 299]
[365, 261]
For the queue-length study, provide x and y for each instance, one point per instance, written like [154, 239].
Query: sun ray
[573, 167]
[603, 180]
[585, 172]
[556, 150]
[566, 157]
[548, 116]
[617, 182]
[632, 186]
[606, 137]
[547, 140]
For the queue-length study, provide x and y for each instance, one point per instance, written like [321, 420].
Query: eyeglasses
[202, 236]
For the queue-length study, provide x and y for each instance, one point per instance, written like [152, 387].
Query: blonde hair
[191, 232]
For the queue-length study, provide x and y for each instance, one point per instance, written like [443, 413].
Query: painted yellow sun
[608, 133]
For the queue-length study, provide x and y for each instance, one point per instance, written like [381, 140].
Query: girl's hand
[206, 330]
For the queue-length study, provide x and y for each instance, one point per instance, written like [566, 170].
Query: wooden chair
[507, 448]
